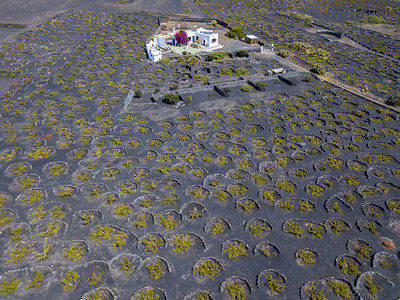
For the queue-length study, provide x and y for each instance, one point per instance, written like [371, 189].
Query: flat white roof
[250, 36]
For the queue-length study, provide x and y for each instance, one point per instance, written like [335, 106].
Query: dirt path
[351, 89]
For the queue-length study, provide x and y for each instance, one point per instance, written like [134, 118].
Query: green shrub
[226, 72]
[318, 69]
[238, 32]
[230, 34]
[285, 54]
[299, 46]
[246, 88]
[171, 98]
[218, 55]
[208, 268]
[394, 100]
[200, 78]
[372, 19]
[241, 53]
[138, 94]
[235, 33]
[165, 60]
[308, 78]
[241, 71]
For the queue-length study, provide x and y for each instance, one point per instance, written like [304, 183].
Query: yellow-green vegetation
[182, 243]
[335, 163]
[306, 257]
[198, 192]
[168, 222]
[371, 286]
[350, 179]
[300, 173]
[75, 252]
[372, 19]
[269, 195]
[258, 228]
[51, 229]
[286, 205]
[294, 228]
[285, 185]
[57, 212]
[83, 176]
[310, 50]
[363, 251]
[155, 269]
[3, 199]
[316, 230]
[41, 152]
[65, 191]
[16, 234]
[316, 294]
[348, 266]
[19, 170]
[87, 218]
[42, 255]
[238, 189]
[394, 206]
[246, 205]
[275, 285]
[111, 173]
[95, 278]
[221, 195]
[69, 281]
[123, 210]
[196, 213]
[259, 178]
[305, 205]
[371, 226]
[208, 268]
[200, 78]
[147, 294]
[141, 221]
[9, 285]
[33, 196]
[119, 240]
[101, 234]
[126, 265]
[336, 208]
[373, 211]
[26, 182]
[36, 281]
[38, 213]
[5, 219]
[217, 228]
[338, 226]
[339, 288]
[235, 249]
[285, 53]
[8, 155]
[17, 254]
[126, 189]
[152, 243]
[236, 291]
[315, 190]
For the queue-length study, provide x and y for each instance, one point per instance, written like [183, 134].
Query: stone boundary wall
[331, 32]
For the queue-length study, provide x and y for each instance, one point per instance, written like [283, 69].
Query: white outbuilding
[152, 49]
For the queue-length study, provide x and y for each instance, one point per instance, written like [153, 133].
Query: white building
[153, 51]
[203, 37]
